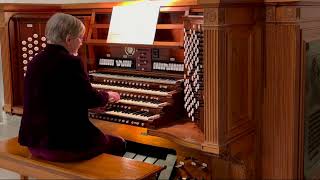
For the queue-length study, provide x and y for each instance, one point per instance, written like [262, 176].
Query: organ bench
[105, 166]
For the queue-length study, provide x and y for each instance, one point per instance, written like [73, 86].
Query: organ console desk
[222, 89]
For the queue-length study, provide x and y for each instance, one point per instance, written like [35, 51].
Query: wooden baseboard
[17, 110]
[7, 108]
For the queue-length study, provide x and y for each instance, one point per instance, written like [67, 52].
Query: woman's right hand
[113, 96]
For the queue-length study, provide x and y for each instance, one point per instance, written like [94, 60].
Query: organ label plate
[117, 62]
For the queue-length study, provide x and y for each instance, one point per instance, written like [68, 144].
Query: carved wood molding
[287, 14]
[213, 16]
[283, 14]
[270, 14]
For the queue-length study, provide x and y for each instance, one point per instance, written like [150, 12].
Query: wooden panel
[217, 2]
[214, 78]
[239, 15]
[281, 101]
[27, 7]
[229, 80]
[309, 13]
[239, 81]
[187, 134]
[257, 93]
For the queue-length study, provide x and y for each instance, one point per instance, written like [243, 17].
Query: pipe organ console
[161, 86]
[221, 91]
[150, 79]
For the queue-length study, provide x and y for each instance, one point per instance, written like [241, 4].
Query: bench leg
[22, 177]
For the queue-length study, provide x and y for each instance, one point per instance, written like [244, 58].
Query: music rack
[96, 26]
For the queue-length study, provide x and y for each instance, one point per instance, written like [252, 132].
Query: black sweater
[57, 95]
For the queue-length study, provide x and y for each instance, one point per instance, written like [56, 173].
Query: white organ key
[29, 39]
[132, 116]
[144, 104]
[36, 48]
[25, 62]
[35, 42]
[24, 49]
[30, 45]
[35, 35]
[23, 42]
[135, 90]
[30, 58]
[30, 52]
[43, 38]
[25, 68]
[43, 45]
[24, 55]
[143, 79]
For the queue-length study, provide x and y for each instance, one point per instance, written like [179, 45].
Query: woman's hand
[113, 96]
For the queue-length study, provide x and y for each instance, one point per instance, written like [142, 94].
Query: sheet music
[133, 24]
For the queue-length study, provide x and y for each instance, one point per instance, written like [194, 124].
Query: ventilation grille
[312, 139]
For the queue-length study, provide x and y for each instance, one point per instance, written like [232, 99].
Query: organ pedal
[153, 155]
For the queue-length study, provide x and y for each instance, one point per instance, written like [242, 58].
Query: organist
[57, 95]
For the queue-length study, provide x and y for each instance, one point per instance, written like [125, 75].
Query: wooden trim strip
[43, 167]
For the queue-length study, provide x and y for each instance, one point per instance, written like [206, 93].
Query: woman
[57, 95]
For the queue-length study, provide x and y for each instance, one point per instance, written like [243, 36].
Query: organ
[222, 86]
[145, 101]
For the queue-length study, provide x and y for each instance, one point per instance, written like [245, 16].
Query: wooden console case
[253, 86]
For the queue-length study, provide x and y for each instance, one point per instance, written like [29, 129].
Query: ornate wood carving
[282, 14]
[270, 14]
[214, 16]
[287, 14]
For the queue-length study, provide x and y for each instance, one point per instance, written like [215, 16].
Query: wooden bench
[17, 158]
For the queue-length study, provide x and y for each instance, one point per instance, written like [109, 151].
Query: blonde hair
[60, 25]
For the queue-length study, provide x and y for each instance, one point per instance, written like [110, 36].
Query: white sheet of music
[133, 24]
